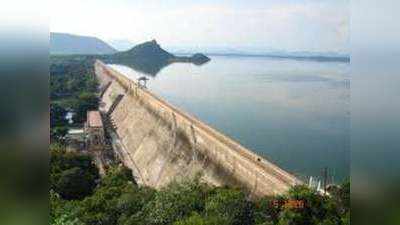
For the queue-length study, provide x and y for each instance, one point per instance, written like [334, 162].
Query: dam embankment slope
[161, 143]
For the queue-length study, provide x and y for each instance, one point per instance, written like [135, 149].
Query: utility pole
[325, 175]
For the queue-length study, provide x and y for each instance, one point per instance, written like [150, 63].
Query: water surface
[294, 113]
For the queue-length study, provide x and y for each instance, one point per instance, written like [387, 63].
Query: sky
[302, 25]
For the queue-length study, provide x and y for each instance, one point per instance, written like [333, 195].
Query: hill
[68, 44]
[146, 52]
[150, 58]
[197, 58]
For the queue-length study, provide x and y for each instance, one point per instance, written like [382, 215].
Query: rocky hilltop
[150, 58]
[145, 52]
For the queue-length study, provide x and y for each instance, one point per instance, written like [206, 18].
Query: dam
[161, 143]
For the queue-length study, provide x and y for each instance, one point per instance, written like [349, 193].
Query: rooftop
[94, 119]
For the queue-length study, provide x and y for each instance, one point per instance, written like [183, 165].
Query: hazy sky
[279, 24]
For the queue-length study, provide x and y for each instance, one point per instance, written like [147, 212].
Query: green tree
[196, 219]
[74, 183]
[117, 176]
[86, 101]
[346, 219]
[70, 76]
[344, 196]
[266, 211]
[131, 203]
[56, 204]
[100, 208]
[175, 202]
[317, 208]
[58, 122]
[62, 212]
[116, 198]
[58, 133]
[289, 217]
[71, 173]
[57, 115]
[231, 205]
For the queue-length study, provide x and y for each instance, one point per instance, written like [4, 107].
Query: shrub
[114, 200]
[75, 183]
[117, 176]
[196, 219]
[72, 175]
[265, 212]
[317, 208]
[231, 205]
[175, 202]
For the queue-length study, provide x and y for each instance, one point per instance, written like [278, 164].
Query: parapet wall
[164, 143]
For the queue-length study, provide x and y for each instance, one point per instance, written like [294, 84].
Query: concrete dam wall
[161, 143]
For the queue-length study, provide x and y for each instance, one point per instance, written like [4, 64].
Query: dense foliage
[72, 175]
[118, 200]
[73, 87]
[70, 76]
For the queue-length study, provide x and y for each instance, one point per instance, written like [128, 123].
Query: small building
[94, 131]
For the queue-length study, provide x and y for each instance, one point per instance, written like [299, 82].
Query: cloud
[278, 24]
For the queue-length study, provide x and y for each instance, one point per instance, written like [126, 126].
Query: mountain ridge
[71, 44]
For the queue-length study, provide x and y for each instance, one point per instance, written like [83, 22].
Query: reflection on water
[150, 68]
[295, 113]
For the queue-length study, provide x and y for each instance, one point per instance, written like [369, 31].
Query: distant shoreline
[305, 58]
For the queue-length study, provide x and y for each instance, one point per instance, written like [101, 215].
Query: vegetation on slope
[72, 175]
[73, 87]
[118, 200]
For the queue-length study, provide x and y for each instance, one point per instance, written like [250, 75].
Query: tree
[114, 200]
[66, 219]
[231, 205]
[70, 76]
[62, 212]
[117, 176]
[131, 203]
[58, 133]
[344, 196]
[100, 208]
[289, 217]
[266, 211]
[57, 115]
[74, 183]
[317, 208]
[196, 219]
[346, 219]
[58, 122]
[175, 202]
[86, 101]
[72, 175]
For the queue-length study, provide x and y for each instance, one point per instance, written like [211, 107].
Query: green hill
[150, 58]
[147, 52]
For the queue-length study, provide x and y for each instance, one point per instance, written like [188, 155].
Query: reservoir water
[292, 112]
